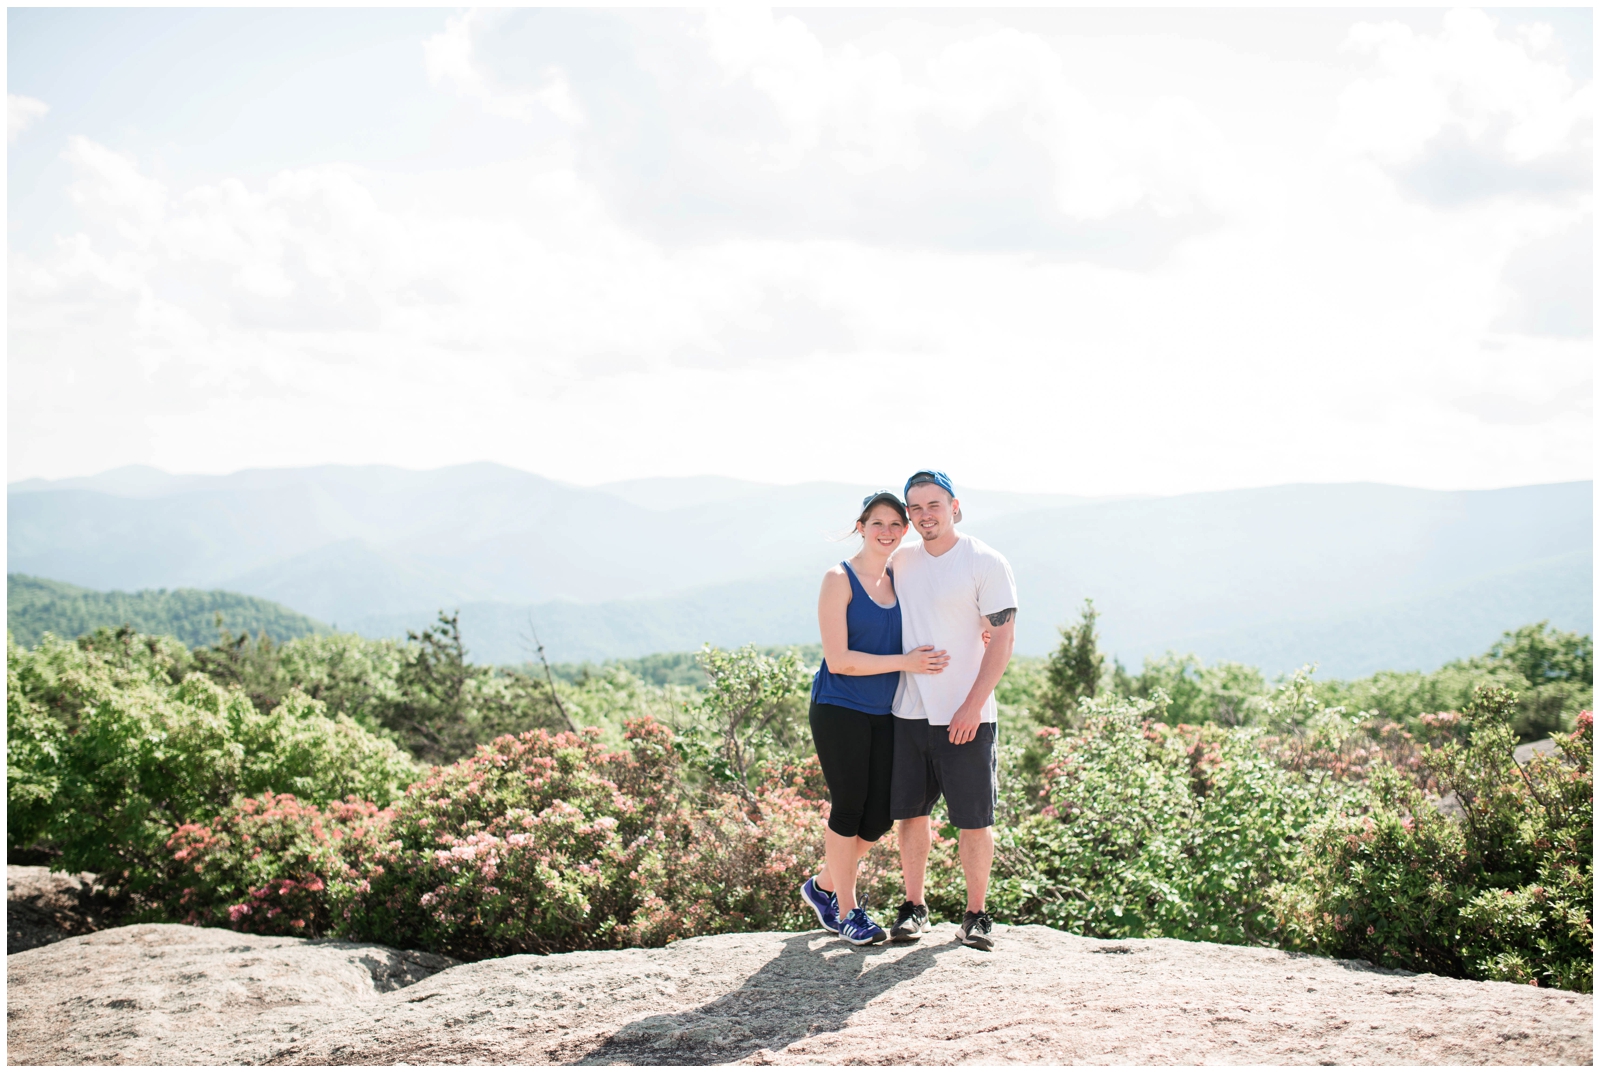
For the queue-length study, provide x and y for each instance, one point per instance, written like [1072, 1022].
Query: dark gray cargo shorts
[927, 765]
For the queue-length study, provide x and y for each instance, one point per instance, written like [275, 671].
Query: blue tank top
[872, 629]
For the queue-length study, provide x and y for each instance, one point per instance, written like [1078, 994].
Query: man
[952, 591]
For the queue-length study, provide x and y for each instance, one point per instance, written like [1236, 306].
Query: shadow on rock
[391, 970]
[799, 993]
[44, 907]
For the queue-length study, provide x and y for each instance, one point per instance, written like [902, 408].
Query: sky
[1081, 251]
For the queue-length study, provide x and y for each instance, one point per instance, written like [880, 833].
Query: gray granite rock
[169, 995]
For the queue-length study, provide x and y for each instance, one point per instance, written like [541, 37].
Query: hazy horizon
[705, 476]
[1355, 575]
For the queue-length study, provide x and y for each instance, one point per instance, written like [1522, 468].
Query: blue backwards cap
[930, 476]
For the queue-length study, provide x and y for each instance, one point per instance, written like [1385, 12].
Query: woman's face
[883, 528]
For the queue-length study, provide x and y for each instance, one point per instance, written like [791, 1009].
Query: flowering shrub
[734, 868]
[537, 842]
[1505, 894]
[273, 865]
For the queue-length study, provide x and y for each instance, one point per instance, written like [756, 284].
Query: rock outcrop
[168, 994]
[45, 907]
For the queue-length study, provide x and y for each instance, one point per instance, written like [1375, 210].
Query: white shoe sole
[823, 924]
[977, 942]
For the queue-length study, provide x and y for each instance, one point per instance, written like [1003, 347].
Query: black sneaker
[909, 923]
[975, 931]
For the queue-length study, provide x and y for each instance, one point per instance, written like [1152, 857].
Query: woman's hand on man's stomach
[926, 660]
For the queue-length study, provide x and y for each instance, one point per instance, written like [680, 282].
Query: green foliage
[609, 697]
[425, 695]
[668, 668]
[1074, 670]
[126, 754]
[1503, 894]
[1022, 685]
[352, 675]
[753, 711]
[255, 784]
[661, 669]
[444, 706]
[36, 606]
[1551, 671]
[1225, 693]
[1151, 830]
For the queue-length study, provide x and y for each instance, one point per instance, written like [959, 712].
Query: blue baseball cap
[930, 476]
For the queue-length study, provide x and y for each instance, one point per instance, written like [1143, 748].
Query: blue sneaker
[823, 903]
[859, 929]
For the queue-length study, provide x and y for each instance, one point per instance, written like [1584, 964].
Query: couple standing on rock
[914, 640]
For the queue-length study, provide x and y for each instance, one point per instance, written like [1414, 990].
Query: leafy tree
[250, 664]
[750, 712]
[1558, 668]
[669, 668]
[1074, 670]
[446, 706]
[353, 675]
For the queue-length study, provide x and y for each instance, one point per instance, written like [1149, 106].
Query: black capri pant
[857, 755]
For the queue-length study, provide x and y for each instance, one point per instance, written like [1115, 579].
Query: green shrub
[109, 756]
[1502, 894]
[1385, 886]
[1156, 830]
[1229, 694]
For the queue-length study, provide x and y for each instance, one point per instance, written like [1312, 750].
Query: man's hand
[965, 723]
[999, 639]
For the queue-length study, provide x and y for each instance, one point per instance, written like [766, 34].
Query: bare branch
[550, 678]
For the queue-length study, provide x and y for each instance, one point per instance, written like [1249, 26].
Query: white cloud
[868, 109]
[449, 60]
[22, 113]
[110, 187]
[1490, 86]
[1309, 321]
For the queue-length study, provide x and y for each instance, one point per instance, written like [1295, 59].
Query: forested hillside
[35, 606]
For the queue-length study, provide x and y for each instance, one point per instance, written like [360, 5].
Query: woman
[851, 701]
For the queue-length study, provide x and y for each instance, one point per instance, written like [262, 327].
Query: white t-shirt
[943, 601]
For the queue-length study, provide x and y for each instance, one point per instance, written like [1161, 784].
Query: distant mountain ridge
[1356, 576]
[35, 606]
[404, 539]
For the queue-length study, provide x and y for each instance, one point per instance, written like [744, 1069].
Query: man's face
[932, 510]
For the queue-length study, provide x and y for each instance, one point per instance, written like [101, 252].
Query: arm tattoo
[1000, 618]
